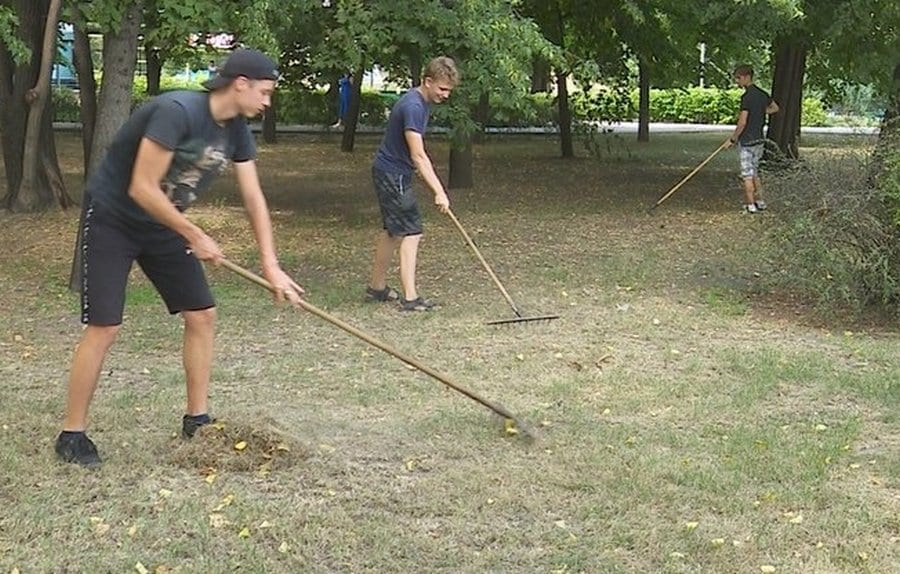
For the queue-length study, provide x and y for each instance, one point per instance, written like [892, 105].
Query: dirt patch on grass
[227, 445]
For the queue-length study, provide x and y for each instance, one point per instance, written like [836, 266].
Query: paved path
[623, 127]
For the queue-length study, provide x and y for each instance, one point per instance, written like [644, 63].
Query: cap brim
[217, 82]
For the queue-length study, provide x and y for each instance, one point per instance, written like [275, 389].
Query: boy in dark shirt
[161, 159]
[402, 152]
[748, 134]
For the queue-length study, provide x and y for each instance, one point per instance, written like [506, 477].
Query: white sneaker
[750, 208]
[760, 205]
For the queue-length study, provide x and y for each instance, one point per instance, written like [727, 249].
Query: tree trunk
[540, 76]
[269, 125]
[481, 114]
[787, 91]
[352, 118]
[84, 67]
[415, 66]
[32, 195]
[154, 69]
[887, 150]
[643, 134]
[565, 115]
[16, 81]
[119, 55]
[461, 165]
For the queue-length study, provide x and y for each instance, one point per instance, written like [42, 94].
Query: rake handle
[253, 277]
[484, 264]
[690, 175]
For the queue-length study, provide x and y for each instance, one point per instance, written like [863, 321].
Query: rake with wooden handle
[513, 424]
[519, 318]
[689, 176]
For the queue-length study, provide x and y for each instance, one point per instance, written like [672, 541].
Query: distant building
[62, 73]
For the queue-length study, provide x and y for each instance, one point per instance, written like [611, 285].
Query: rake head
[518, 320]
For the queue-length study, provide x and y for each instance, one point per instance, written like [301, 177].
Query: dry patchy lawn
[688, 423]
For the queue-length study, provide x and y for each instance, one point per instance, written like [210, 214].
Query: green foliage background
[301, 106]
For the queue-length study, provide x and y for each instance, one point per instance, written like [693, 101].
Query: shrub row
[692, 105]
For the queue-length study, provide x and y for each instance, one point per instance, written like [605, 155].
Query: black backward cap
[251, 64]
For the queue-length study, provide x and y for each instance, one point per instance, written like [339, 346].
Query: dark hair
[743, 70]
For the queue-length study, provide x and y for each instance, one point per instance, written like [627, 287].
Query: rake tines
[519, 318]
[534, 319]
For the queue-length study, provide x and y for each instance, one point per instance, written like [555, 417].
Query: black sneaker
[78, 448]
[417, 304]
[190, 424]
[385, 295]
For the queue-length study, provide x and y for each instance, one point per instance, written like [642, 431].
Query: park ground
[690, 418]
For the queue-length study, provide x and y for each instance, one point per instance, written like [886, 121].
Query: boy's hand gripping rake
[519, 318]
[685, 179]
[513, 424]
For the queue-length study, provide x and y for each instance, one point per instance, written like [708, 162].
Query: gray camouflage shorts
[750, 156]
[397, 200]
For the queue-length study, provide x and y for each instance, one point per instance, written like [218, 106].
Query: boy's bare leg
[757, 188]
[85, 371]
[749, 198]
[199, 336]
[409, 248]
[385, 245]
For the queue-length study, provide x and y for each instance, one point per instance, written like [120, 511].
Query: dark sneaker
[78, 448]
[191, 423]
[417, 304]
[382, 295]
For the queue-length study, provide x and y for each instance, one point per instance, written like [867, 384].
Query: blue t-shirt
[180, 121]
[409, 113]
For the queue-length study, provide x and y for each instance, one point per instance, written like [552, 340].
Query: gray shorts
[399, 210]
[750, 156]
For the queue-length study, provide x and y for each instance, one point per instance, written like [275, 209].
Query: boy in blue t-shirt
[159, 162]
[402, 152]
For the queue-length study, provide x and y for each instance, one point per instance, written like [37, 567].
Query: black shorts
[399, 210]
[108, 248]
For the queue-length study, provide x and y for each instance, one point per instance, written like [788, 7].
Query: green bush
[813, 113]
[837, 238]
[603, 104]
[66, 105]
[692, 105]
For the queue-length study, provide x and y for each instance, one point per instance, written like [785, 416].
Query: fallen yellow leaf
[690, 525]
[241, 445]
[509, 426]
[165, 492]
[210, 478]
[767, 569]
[244, 533]
[283, 547]
[141, 569]
[225, 502]
[717, 541]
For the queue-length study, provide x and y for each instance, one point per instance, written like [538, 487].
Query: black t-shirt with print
[180, 121]
[755, 102]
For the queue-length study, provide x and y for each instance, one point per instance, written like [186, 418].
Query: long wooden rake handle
[690, 175]
[497, 408]
[484, 264]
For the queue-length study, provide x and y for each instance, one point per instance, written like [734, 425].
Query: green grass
[689, 421]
